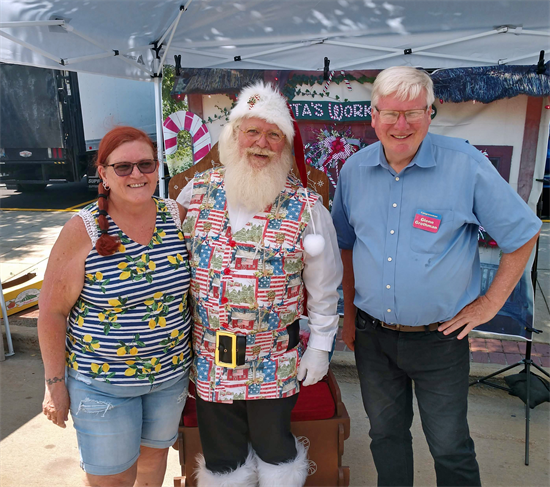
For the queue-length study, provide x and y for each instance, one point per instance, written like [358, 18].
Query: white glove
[314, 365]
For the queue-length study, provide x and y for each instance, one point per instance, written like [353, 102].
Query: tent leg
[6, 326]
[160, 138]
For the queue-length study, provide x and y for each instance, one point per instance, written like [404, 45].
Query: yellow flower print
[97, 278]
[88, 343]
[157, 309]
[137, 268]
[130, 348]
[109, 317]
[101, 371]
[175, 262]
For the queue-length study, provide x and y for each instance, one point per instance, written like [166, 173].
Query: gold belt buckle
[233, 337]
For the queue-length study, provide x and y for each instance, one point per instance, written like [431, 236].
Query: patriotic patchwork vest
[247, 283]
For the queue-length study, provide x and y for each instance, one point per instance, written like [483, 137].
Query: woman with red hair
[114, 322]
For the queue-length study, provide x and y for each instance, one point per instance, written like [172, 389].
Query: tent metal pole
[169, 43]
[31, 47]
[225, 59]
[450, 56]
[160, 137]
[72, 30]
[535, 33]
[31, 23]
[74, 60]
[251, 57]
[6, 325]
[510, 60]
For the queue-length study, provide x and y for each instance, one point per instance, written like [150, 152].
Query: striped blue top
[131, 324]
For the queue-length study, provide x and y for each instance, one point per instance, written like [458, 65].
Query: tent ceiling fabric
[288, 34]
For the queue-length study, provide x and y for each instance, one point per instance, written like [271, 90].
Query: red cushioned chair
[319, 420]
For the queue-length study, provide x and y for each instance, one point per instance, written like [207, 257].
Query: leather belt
[395, 327]
[231, 348]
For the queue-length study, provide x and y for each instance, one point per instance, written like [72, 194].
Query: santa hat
[266, 102]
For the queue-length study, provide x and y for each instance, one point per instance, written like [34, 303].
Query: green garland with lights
[290, 89]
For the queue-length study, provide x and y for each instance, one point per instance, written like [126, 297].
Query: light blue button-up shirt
[410, 275]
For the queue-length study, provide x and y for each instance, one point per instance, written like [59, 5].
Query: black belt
[231, 348]
[395, 327]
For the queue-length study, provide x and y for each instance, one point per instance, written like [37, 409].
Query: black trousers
[388, 362]
[226, 430]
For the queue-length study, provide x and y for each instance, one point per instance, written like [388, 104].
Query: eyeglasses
[411, 116]
[146, 166]
[253, 134]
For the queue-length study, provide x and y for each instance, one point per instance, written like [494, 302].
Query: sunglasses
[146, 166]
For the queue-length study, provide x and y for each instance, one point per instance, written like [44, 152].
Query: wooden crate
[323, 438]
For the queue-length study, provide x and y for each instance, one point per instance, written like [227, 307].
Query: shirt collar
[423, 158]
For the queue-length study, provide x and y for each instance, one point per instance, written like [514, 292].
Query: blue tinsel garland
[490, 83]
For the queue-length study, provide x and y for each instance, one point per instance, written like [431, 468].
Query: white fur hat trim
[264, 101]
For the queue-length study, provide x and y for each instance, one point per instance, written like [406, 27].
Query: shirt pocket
[425, 242]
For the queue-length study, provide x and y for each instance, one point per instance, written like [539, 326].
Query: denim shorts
[112, 421]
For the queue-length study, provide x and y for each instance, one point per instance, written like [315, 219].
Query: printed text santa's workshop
[335, 111]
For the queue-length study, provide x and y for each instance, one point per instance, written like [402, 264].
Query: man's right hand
[348, 332]
[56, 403]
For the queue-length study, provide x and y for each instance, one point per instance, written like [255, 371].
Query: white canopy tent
[133, 38]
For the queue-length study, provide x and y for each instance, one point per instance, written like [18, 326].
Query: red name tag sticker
[427, 221]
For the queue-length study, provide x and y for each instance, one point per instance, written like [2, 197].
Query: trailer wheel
[30, 188]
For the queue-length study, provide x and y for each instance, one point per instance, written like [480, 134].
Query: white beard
[253, 188]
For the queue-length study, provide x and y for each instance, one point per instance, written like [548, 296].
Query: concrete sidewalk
[35, 453]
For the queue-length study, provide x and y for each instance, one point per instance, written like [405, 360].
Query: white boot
[288, 474]
[243, 476]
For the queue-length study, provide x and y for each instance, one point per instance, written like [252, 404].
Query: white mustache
[258, 151]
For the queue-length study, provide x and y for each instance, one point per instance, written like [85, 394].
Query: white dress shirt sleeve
[322, 275]
[184, 198]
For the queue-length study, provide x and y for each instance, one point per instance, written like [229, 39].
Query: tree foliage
[183, 157]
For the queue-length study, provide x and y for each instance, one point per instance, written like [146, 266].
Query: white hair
[405, 82]
[245, 185]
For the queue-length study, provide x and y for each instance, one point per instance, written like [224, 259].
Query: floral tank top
[131, 324]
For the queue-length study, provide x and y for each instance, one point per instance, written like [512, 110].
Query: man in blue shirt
[407, 211]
